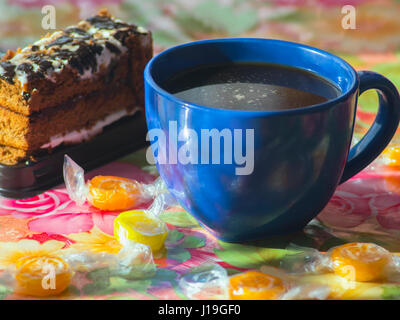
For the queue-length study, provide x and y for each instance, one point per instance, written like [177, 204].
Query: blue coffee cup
[300, 155]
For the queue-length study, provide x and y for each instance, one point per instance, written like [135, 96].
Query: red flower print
[345, 210]
[43, 204]
[366, 196]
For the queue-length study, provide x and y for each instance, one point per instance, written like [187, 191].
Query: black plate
[30, 178]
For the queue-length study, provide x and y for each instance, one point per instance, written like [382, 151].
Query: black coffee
[251, 86]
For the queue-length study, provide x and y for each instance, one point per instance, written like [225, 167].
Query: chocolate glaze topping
[112, 48]
[77, 31]
[98, 39]
[25, 67]
[8, 71]
[103, 22]
[60, 41]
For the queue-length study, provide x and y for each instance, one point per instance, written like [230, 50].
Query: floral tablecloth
[366, 208]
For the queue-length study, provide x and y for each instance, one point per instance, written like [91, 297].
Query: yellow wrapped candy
[139, 226]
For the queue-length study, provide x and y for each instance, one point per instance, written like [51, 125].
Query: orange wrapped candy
[363, 262]
[42, 276]
[113, 193]
[255, 285]
[355, 262]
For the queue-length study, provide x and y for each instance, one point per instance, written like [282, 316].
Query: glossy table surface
[365, 208]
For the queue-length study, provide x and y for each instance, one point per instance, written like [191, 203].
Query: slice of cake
[67, 86]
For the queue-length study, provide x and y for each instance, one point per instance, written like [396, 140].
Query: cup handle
[383, 128]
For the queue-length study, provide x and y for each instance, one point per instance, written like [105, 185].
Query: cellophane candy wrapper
[294, 289]
[271, 283]
[354, 262]
[307, 292]
[133, 261]
[211, 282]
[205, 282]
[46, 276]
[303, 260]
[114, 193]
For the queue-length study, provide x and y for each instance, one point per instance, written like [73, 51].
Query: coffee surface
[251, 86]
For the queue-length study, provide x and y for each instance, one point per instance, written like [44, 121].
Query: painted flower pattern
[44, 204]
[367, 206]
[52, 212]
[95, 241]
[11, 252]
[368, 196]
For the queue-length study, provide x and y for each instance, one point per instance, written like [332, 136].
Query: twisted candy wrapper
[211, 282]
[41, 275]
[360, 262]
[79, 190]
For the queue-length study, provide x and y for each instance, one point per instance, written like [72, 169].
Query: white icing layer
[78, 136]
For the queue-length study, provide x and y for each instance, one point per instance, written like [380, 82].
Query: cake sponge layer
[12, 156]
[34, 132]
